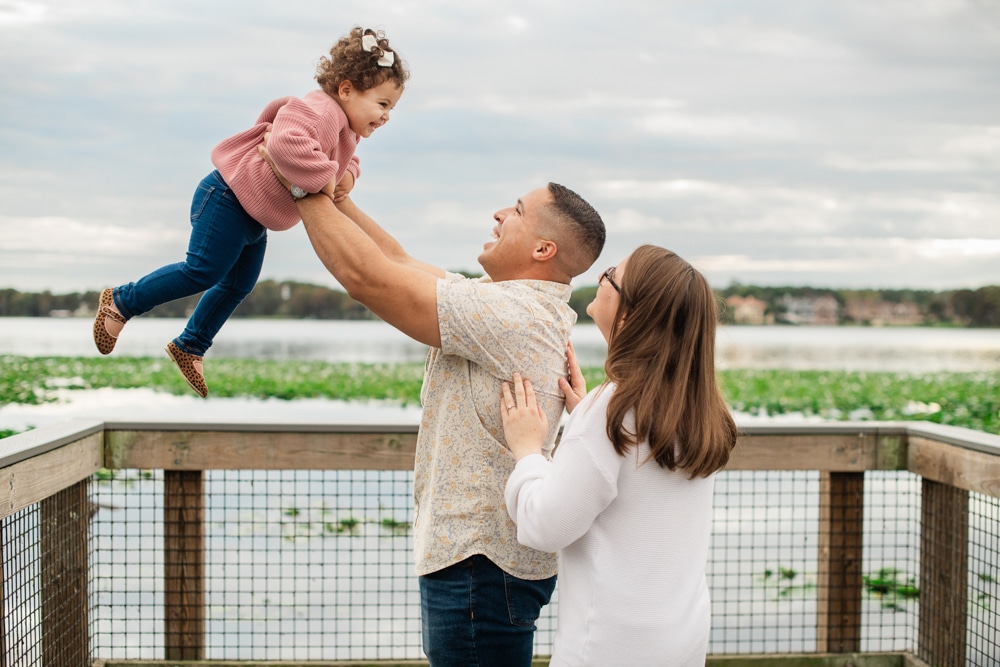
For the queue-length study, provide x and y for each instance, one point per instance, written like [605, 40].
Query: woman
[627, 498]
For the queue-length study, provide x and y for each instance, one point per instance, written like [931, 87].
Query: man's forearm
[402, 295]
[343, 247]
[385, 241]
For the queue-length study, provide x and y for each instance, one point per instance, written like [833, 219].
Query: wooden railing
[50, 468]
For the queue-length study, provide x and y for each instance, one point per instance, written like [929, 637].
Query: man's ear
[344, 89]
[544, 250]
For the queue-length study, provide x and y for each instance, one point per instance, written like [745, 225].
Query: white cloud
[936, 249]
[19, 12]
[925, 149]
[69, 241]
[630, 220]
[757, 37]
[450, 214]
[695, 204]
[926, 10]
[517, 24]
[745, 263]
[707, 126]
[667, 189]
[862, 263]
[903, 248]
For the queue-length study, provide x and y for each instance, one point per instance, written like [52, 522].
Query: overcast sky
[853, 143]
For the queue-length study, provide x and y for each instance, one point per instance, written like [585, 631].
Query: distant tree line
[288, 299]
[962, 307]
[269, 298]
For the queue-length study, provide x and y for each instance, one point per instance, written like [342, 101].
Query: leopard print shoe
[108, 323]
[190, 367]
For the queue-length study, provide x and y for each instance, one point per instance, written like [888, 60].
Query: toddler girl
[312, 142]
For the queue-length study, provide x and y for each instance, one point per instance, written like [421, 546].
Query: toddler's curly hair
[348, 60]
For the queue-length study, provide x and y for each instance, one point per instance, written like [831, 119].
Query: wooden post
[839, 580]
[944, 584]
[3, 588]
[184, 564]
[63, 528]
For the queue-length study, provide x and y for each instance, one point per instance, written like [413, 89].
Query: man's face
[515, 236]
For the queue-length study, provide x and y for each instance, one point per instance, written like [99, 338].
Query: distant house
[814, 310]
[747, 309]
[882, 313]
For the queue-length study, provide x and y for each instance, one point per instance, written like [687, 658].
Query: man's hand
[262, 151]
[524, 423]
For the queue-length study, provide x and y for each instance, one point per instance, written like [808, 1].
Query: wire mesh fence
[298, 565]
[44, 603]
[769, 590]
[311, 565]
[317, 565]
[984, 580]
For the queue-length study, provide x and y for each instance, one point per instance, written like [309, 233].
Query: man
[480, 590]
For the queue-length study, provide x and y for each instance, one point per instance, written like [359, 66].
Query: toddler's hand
[524, 423]
[329, 188]
[343, 188]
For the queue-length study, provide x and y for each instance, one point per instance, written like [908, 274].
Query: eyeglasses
[609, 274]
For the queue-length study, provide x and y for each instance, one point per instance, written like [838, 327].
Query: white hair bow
[368, 42]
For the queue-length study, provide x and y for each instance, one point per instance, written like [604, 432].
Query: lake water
[908, 349]
[897, 349]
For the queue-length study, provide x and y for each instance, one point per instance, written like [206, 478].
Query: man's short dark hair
[587, 225]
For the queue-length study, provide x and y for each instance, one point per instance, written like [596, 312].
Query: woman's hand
[524, 423]
[576, 387]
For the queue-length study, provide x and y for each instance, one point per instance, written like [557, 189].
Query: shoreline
[106, 404]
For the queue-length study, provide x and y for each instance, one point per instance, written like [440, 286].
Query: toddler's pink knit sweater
[310, 143]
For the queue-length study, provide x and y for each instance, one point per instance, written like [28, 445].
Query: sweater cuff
[531, 460]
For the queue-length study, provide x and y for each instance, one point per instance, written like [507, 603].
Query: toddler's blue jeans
[224, 257]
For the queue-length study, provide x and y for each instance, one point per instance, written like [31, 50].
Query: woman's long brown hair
[661, 355]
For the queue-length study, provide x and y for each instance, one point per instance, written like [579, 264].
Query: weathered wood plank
[811, 660]
[839, 579]
[38, 441]
[807, 451]
[280, 663]
[236, 450]
[988, 443]
[184, 564]
[34, 479]
[63, 529]
[3, 607]
[944, 564]
[770, 660]
[890, 451]
[955, 466]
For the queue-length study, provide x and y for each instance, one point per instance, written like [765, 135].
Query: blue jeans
[224, 256]
[476, 615]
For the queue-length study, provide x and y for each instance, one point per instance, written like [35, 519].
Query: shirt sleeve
[554, 503]
[295, 147]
